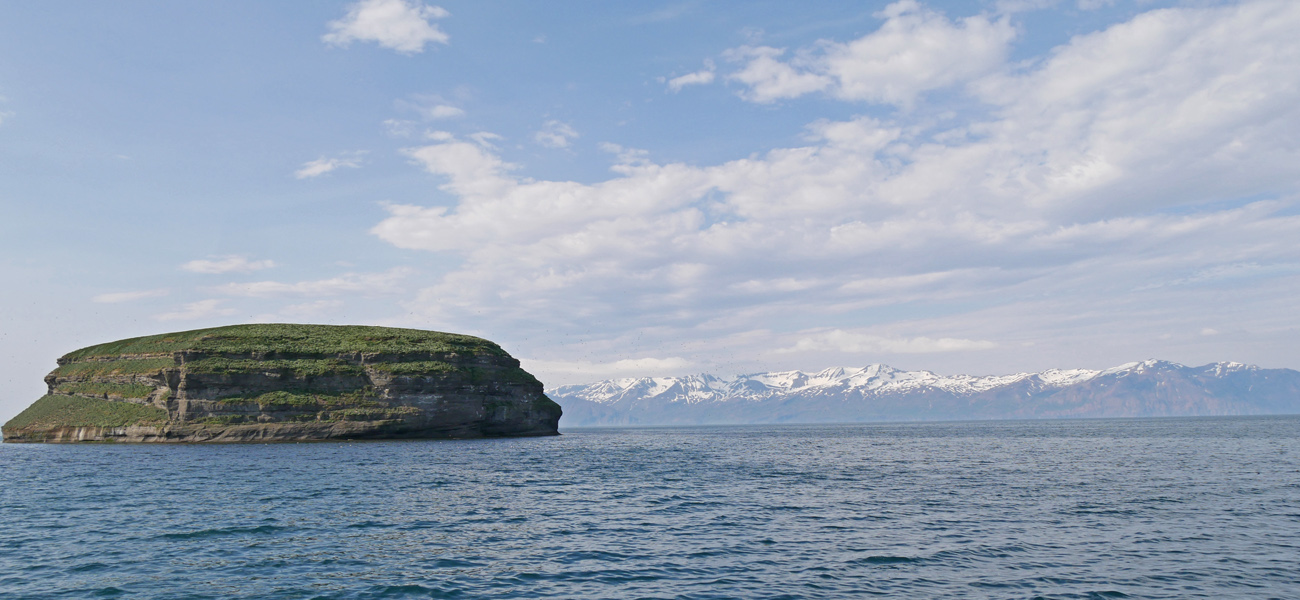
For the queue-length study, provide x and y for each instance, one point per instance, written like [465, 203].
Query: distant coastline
[879, 393]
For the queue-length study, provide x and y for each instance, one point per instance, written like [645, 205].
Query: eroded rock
[280, 382]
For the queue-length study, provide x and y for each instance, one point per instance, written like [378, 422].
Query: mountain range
[1151, 388]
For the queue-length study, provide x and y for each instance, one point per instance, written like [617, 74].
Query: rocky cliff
[252, 383]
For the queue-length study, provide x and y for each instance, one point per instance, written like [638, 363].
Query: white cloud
[397, 24]
[555, 134]
[445, 111]
[387, 282]
[430, 107]
[5, 115]
[485, 139]
[1050, 216]
[115, 297]
[324, 165]
[701, 77]
[914, 51]
[227, 264]
[400, 127]
[769, 79]
[203, 309]
[839, 340]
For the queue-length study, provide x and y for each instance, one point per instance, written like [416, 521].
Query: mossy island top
[303, 340]
[273, 382]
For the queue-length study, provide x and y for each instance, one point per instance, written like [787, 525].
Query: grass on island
[303, 367]
[383, 413]
[364, 397]
[420, 367]
[318, 340]
[54, 410]
[144, 366]
[124, 390]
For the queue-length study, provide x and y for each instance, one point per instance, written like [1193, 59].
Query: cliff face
[248, 383]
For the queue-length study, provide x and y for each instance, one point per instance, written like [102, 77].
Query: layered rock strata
[254, 383]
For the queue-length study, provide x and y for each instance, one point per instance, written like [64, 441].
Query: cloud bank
[1098, 170]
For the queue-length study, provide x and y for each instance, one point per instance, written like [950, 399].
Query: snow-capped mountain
[882, 393]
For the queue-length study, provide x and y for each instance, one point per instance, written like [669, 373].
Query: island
[287, 382]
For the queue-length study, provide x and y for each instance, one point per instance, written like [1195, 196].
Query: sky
[612, 189]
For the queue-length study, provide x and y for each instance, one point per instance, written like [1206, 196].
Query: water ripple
[1178, 508]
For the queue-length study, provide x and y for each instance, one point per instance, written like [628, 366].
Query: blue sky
[614, 189]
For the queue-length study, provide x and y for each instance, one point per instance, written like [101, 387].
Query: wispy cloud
[555, 134]
[847, 342]
[430, 107]
[397, 24]
[387, 282]
[702, 77]
[203, 309]
[325, 165]
[116, 297]
[227, 264]
[319, 309]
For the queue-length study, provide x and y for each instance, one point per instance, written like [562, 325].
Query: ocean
[1160, 508]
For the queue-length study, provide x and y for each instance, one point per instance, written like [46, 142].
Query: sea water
[1166, 508]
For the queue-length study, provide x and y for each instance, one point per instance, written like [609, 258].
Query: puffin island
[283, 382]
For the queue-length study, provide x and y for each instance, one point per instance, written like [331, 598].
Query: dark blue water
[1196, 508]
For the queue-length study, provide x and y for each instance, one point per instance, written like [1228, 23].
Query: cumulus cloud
[839, 340]
[555, 134]
[116, 297]
[387, 282]
[203, 309]
[227, 264]
[397, 24]
[915, 50]
[1115, 162]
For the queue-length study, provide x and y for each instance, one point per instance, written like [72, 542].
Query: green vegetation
[364, 397]
[143, 366]
[304, 367]
[54, 410]
[317, 340]
[421, 367]
[125, 390]
[372, 414]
